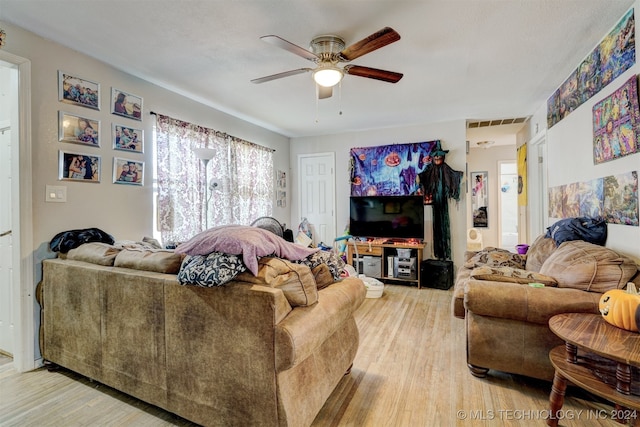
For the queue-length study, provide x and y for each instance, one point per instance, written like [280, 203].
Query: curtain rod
[225, 134]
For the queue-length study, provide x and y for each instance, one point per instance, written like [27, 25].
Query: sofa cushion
[586, 266]
[328, 258]
[95, 253]
[295, 280]
[322, 276]
[158, 260]
[538, 252]
[512, 275]
[206, 271]
[495, 257]
[250, 242]
[304, 330]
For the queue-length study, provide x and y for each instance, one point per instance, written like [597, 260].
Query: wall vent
[486, 123]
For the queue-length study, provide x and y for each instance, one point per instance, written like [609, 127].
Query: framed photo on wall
[126, 138]
[78, 91]
[78, 130]
[127, 171]
[126, 104]
[73, 166]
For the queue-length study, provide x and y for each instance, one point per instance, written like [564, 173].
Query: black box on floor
[436, 274]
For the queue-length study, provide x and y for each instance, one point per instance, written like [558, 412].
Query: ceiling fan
[329, 50]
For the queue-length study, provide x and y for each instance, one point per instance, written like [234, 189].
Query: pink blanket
[250, 242]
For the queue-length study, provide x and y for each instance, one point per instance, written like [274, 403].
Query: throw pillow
[250, 242]
[582, 265]
[207, 271]
[323, 276]
[158, 260]
[332, 261]
[513, 275]
[295, 280]
[495, 257]
[538, 252]
[95, 253]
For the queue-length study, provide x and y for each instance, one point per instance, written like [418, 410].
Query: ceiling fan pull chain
[340, 98]
[317, 101]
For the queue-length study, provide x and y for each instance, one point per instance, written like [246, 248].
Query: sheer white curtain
[242, 170]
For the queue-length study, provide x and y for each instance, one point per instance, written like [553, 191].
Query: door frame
[499, 198]
[25, 335]
[537, 194]
[333, 184]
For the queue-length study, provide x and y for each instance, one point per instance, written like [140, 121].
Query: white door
[508, 205]
[17, 307]
[6, 293]
[537, 185]
[316, 190]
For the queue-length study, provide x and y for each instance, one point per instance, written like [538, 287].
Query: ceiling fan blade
[287, 45]
[373, 73]
[375, 41]
[281, 75]
[324, 92]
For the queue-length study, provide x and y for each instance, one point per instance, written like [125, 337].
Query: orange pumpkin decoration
[621, 308]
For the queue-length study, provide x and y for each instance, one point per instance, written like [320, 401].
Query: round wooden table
[592, 343]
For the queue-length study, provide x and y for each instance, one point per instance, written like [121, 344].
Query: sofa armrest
[526, 303]
[307, 328]
[457, 302]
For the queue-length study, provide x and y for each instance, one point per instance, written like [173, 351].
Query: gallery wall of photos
[86, 130]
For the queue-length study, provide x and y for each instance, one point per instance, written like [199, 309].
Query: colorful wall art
[389, 170]
[621, 199]
[522, 175]
[613, 55]
[615, 124]
[614, 198]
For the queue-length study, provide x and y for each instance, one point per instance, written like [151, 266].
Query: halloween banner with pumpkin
[389, 170]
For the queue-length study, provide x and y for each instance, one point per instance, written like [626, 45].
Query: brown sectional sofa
[507, 322]
[234, 355]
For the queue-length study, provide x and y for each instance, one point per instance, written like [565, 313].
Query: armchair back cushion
[581, 265]
[538, 253]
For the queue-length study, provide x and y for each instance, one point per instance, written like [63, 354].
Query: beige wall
[121, 210]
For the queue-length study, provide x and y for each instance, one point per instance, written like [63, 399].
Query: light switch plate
[56, 194]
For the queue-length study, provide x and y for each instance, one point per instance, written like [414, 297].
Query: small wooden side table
[589, 334]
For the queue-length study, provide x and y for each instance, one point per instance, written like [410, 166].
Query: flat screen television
[400, 217]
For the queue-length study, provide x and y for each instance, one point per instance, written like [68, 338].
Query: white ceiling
[461, 59]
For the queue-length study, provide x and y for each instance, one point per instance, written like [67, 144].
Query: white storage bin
[375, 288]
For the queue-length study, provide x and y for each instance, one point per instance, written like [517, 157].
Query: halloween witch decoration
[441, 183]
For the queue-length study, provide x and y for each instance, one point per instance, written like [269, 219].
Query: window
[234, 187]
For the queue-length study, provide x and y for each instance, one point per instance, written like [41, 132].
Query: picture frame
[128, 171]
[74, 166]
[126, 104]
[78, 91]
[126, 138]
[78, 129]
[479, 198]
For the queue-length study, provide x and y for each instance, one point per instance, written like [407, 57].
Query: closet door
[317, 195]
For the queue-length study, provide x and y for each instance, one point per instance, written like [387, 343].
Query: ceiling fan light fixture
[328, 75]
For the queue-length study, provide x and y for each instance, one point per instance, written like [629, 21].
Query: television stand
[399, 259]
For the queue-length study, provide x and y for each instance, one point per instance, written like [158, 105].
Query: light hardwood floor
[410, 371]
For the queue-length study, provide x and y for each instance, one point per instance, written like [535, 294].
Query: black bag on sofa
[592, 230]
[64, 241]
